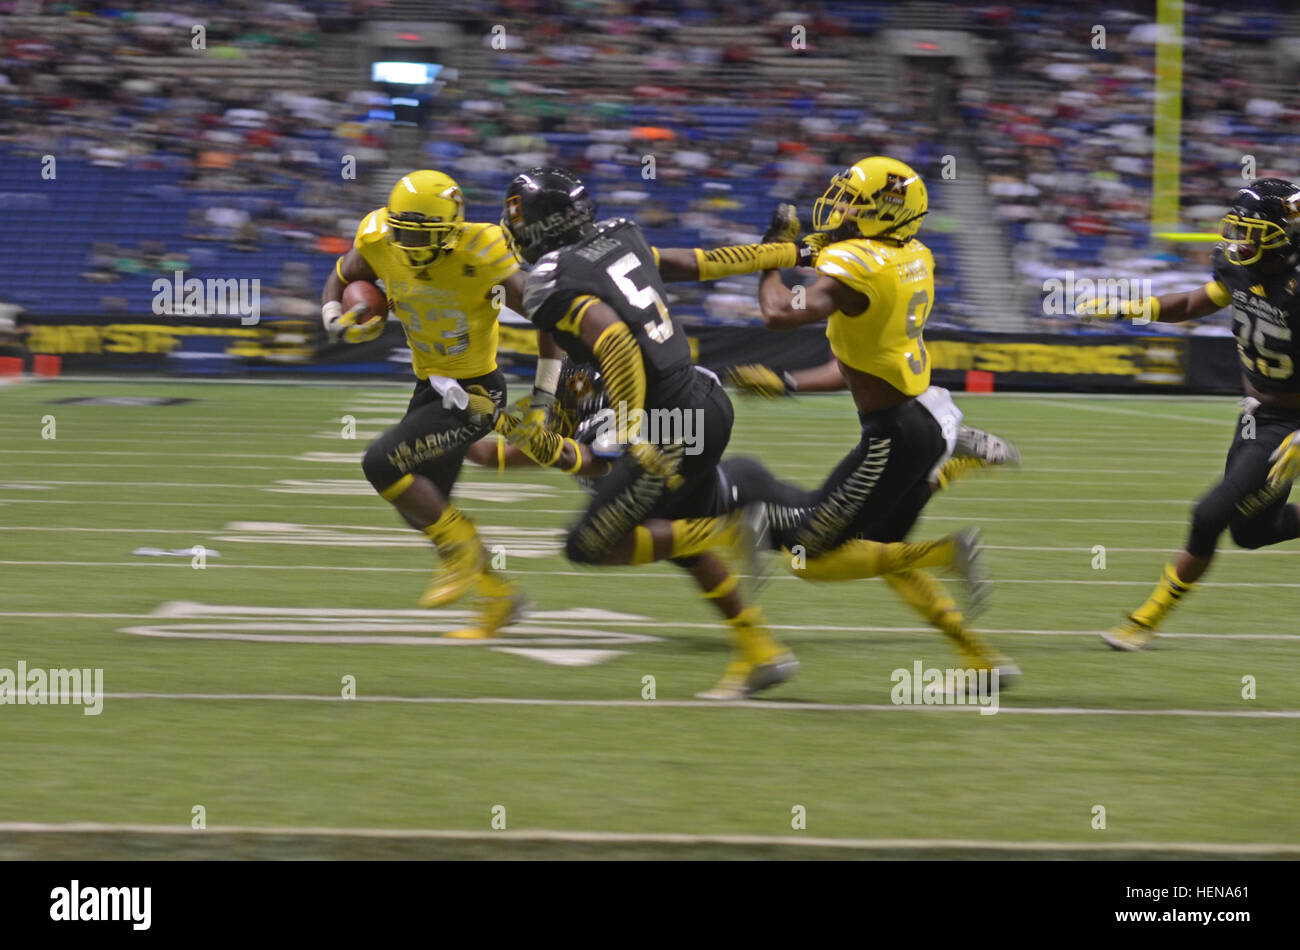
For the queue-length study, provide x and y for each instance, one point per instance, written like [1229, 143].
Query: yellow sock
[452, 532]
[956, 468]
[1163, 599]
[693, 536]
[750, 638]
[856, 559]
[644, 551]
[924, 594]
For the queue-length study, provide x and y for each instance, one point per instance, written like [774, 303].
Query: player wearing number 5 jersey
[598, 289]
[1255, 272]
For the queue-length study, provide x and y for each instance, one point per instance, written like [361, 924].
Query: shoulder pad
[541, 282]
[372, 229]
[478, 237]
[851, 262]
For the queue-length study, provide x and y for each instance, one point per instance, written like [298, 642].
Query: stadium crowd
[1061, 128]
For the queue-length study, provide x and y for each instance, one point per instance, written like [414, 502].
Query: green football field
[225, 684]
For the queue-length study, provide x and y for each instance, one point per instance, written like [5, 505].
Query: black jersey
[1265, 319]
[615, 265]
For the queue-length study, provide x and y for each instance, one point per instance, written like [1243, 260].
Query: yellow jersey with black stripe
[885, 339]
[448, 309]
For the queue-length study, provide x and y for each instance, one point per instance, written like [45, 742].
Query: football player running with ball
[446, 280]
[1255, 271]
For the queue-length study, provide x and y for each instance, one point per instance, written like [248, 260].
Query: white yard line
[770, 705]
[1143, 413]
[336, 613]
[671, 838]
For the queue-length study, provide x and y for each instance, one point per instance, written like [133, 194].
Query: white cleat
[980, 444]
[742, 680]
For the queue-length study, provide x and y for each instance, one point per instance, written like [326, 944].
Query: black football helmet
[545, 209]
[1262, 223]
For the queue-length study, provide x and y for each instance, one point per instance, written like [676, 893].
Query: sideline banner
[222, 345]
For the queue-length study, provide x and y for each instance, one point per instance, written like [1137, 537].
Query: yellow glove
[1286, 461]
[1101, 308]
[817, 242]
[658, 463]
[531, 436]
[344, 325]
[757, 379]
[482, 408]
[784, 226]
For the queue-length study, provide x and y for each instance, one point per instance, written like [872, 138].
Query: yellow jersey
[448, 309]
[885, 339]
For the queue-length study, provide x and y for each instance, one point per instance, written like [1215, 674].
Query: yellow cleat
[1130, 635]
[503, 603]
[460, 568]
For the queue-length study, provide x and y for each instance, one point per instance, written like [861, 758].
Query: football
[363, 291]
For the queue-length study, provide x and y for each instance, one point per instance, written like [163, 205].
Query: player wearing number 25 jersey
[1255, 272]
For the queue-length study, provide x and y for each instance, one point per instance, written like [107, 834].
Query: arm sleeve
[743, 259]
[623, 369]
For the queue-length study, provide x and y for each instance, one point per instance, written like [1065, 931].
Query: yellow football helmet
[425, 215]
[881, 196]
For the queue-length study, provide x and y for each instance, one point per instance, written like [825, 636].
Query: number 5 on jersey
[643, 298]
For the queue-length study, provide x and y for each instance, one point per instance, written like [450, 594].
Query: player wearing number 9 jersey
[1255, 272]
[874, 289]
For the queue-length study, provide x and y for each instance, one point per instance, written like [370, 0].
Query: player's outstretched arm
[778, 249]
[678, 264]
[765, 381]
[1167, 308]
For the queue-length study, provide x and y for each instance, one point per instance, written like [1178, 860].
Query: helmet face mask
[425, 216]
[1262, 225]
[545, 209]
[876, 198]
[1249, 239]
